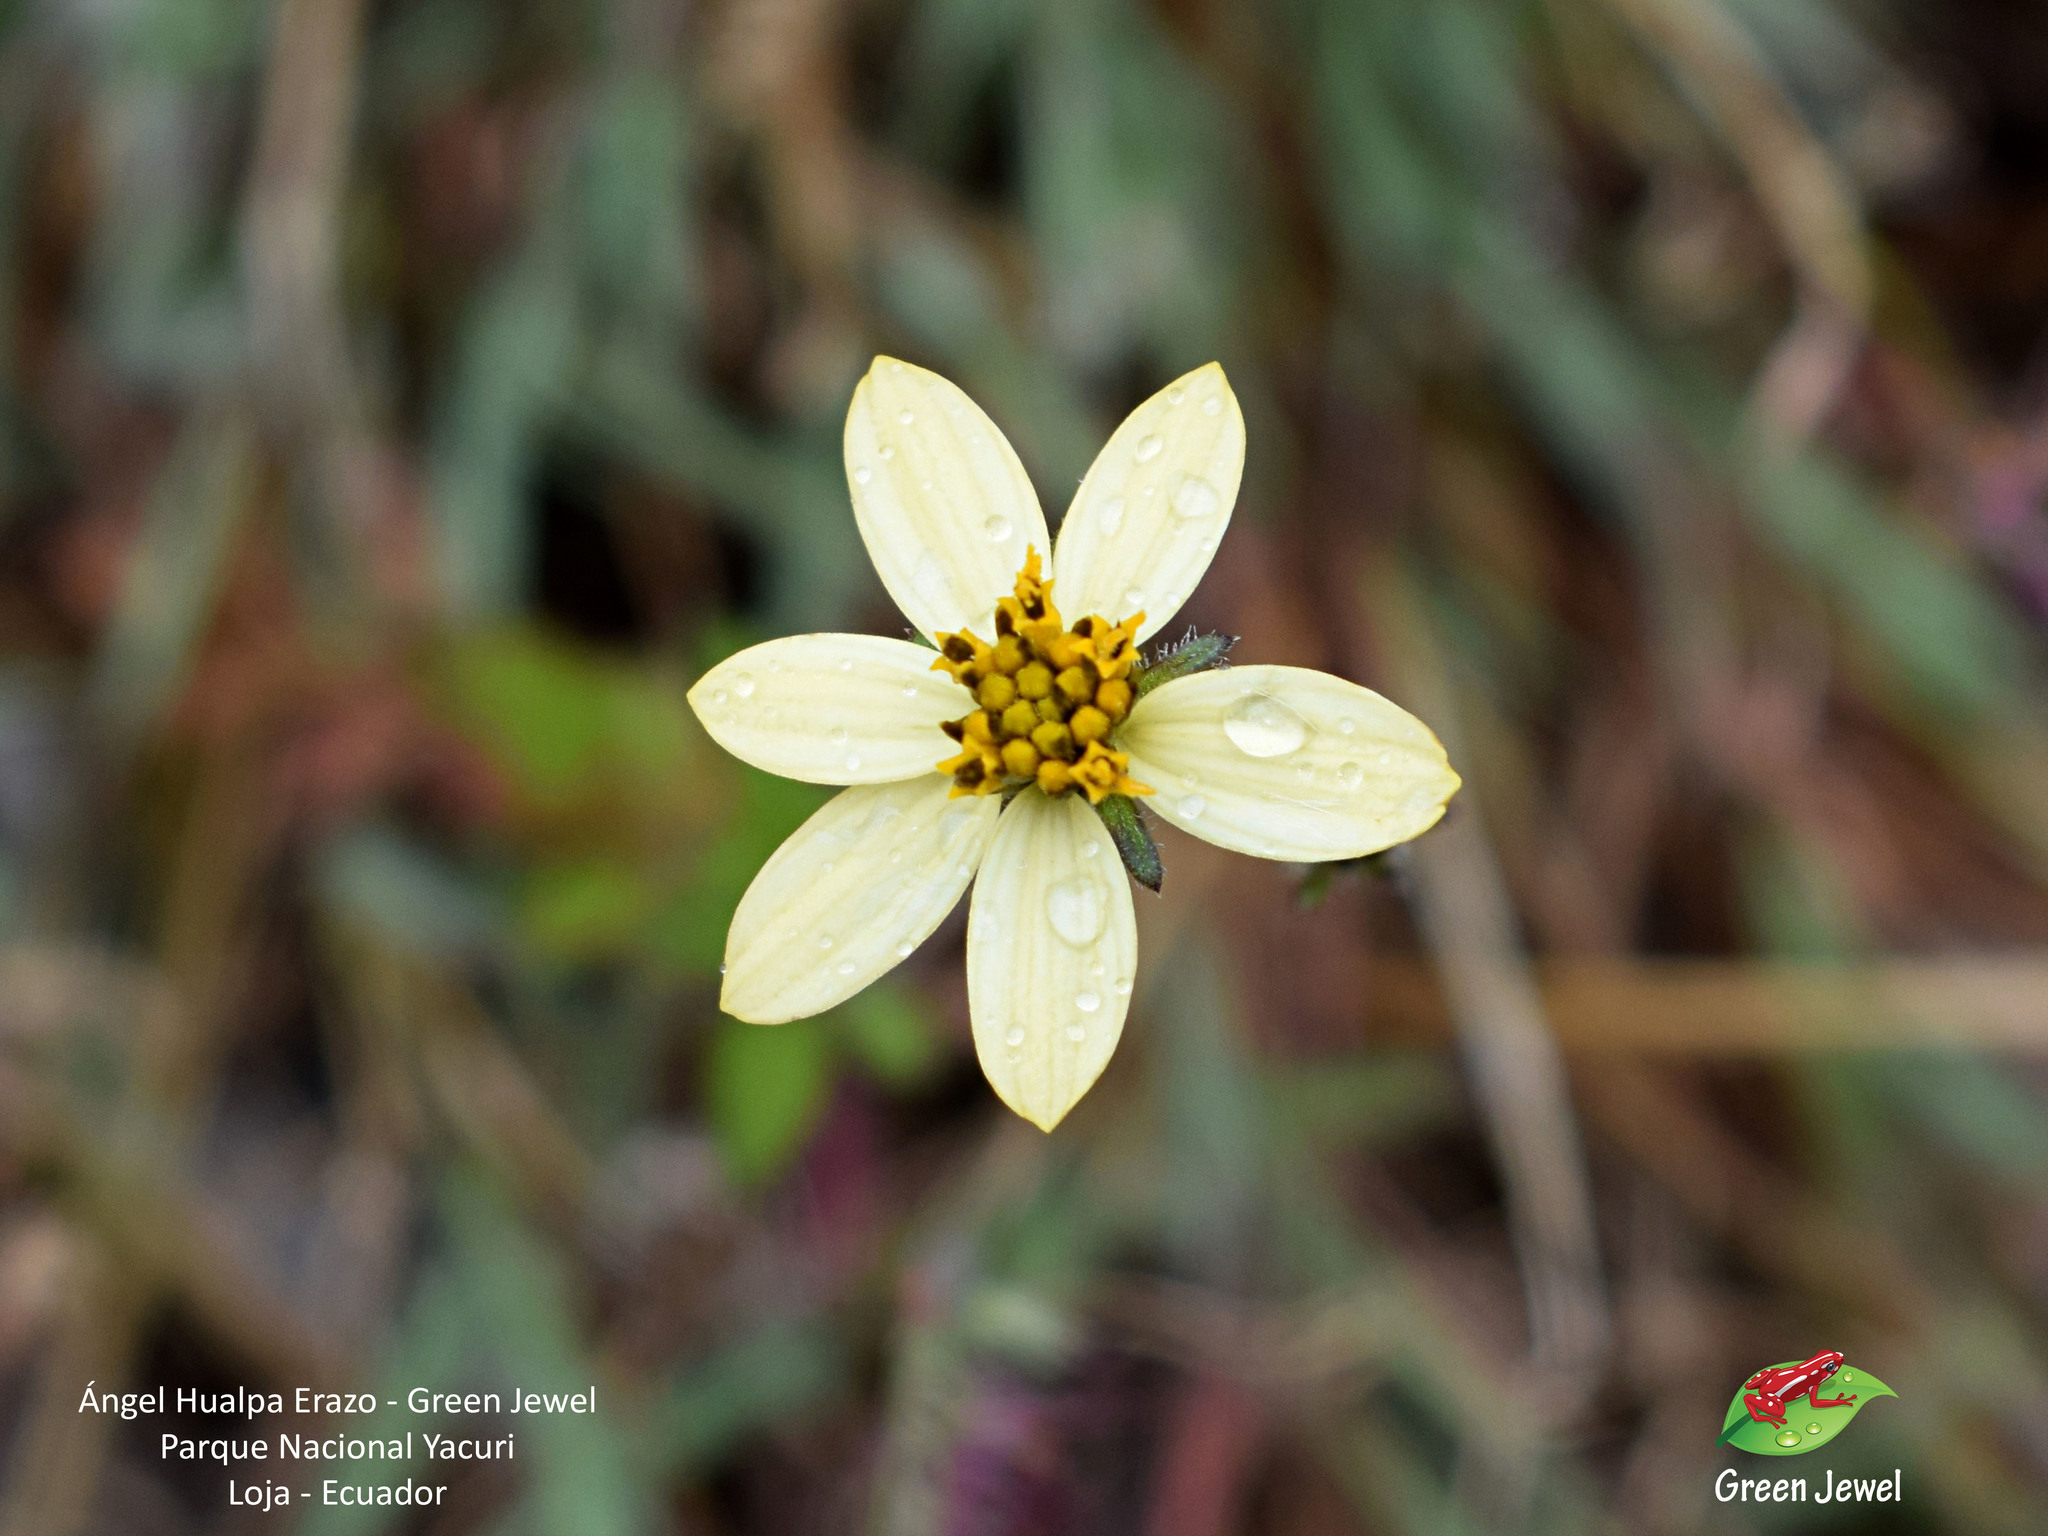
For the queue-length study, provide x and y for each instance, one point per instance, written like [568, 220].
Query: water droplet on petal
[1134, 599]
[1075, 910]
[1077, 1033]
[1123, 986]
[910, 690]
[998, 529]
[1351, 775]
[721, 967]
[931, 583]
[863, 475]
[924, 485]
[824, 941]
[838, 735]
[1088, 1002]
[846, 967]
[743, 685]
[1346, 726]
[1149, 448]
[718, 695]
[1090, 850]
[906, 417]
[1191, 806]
[1195, 497]
[846, 664]
[1014, 1038]
[1213, 406]
[903, 950]
[1112, 516]
[887, 451]
[853, 762]
[1188, 781]
[830, 866]
[1175, 395]
[1259, 725]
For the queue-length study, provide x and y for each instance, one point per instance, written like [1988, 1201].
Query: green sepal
[1315, 885]
[1134, 843]
[1197, 653]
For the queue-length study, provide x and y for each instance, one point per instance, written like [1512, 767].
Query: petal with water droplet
[1246, 734]
[833, 879]
[1043, 918]
[1165, 470]
[832, 709]
[929, 509]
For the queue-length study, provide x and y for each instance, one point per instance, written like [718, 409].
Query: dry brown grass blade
[1614, 1006]
[1467, 918]
[1807, 199]
[1780, 1226]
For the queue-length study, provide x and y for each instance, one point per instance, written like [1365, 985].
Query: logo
[1798, 1406]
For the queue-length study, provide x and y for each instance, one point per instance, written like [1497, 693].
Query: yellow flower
[988, 759]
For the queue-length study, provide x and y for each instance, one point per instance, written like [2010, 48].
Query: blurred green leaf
[765, 1087]
[583, 910]
[763, 1378]
[689, 930]
[889, 1034]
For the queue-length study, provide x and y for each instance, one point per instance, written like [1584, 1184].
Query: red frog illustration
[1770, 1391]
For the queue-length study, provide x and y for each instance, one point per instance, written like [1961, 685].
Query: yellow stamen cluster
[1050, 698]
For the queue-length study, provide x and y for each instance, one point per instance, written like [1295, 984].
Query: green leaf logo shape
[1807, 1427]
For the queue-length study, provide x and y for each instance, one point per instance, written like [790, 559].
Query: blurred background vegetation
[402, 402]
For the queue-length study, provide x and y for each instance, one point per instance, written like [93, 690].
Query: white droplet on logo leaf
[1195, 498]
[1075, 910]
[1259, 725]
[1149, 448]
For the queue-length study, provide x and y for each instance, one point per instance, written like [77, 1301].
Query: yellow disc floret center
[1050, 698]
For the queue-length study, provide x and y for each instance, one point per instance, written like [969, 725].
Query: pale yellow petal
[1052, 949]
[832, 709]
[942, 502]
[1285, 763]
[851, 893]
[1147, 519]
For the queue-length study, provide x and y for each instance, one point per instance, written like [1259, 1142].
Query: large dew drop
[1195, 497]
[997, 528]
[1259, 725]
[1075, 909]
[1789, 1439]
[1149, 448]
